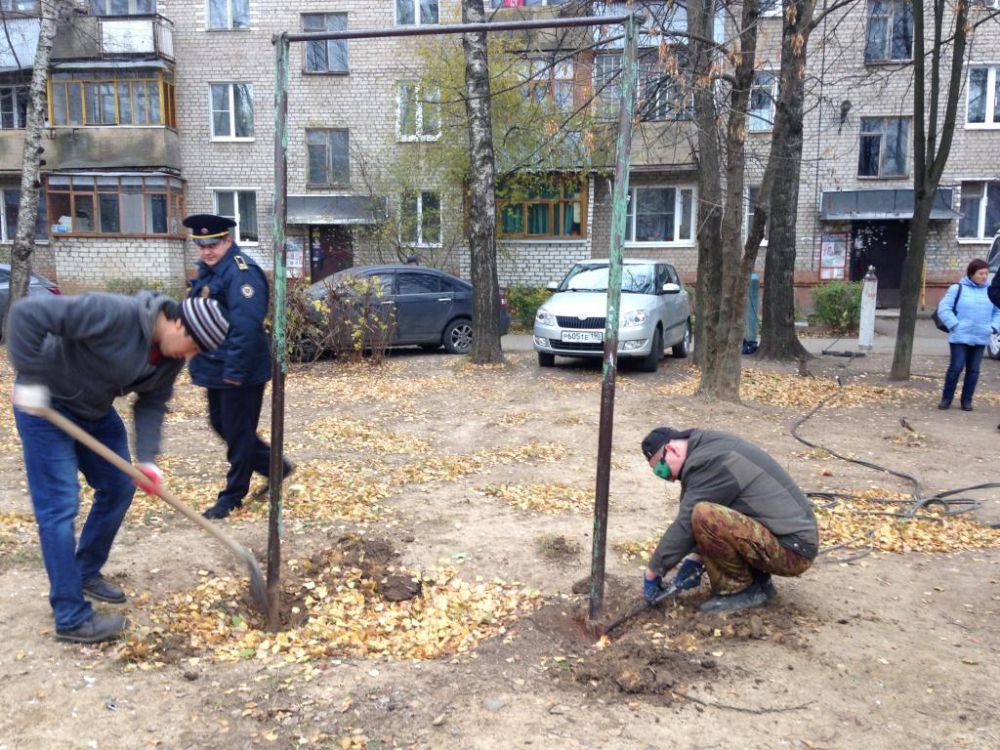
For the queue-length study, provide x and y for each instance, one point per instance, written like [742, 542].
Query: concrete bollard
[866, 326]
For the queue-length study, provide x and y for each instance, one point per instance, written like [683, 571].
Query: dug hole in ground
[437, 529]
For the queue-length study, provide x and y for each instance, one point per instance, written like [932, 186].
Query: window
[123, 98]
[662, 95]
[13, 107]
[753, 193]
[330, 55]
[544, 208]
[229, 14]
[890, 31]
[980, 209]
[420, 218]
[122, 7]
[420, 12]
[762, 95]
[241, 207]
[984, 97]
[883, 147]
[419, 113]
[232, 110]
[660, 214]
[772, 8]
[11, 207]
[24, 7]
[550, 81]
[411, 282]
[329, 163]
[82, 204]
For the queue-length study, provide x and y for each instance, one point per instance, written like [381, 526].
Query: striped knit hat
[204, 322]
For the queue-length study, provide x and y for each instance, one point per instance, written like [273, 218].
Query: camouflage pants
[731, 544]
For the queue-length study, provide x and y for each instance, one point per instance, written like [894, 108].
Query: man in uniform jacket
[236, 373]
[76, 355]
[741, 518]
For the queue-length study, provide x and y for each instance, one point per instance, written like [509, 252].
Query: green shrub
[522, 303]
[838, 305]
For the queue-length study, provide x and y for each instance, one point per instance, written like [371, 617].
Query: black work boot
[98, 628]
[100, 588]
[763, 580]
[221, 510]
[289, 469]
[752, 596]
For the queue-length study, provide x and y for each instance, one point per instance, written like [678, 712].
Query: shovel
[258, 590]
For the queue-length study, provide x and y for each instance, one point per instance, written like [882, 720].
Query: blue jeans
[967, 357]
[51, 459]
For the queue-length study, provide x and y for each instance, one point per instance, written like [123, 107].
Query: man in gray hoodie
[76, 355]
[741, 518]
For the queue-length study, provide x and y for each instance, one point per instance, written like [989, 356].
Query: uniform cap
[207, 229]
[205, 322]
[659, 437]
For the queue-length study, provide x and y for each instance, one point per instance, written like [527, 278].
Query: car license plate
[587, 337]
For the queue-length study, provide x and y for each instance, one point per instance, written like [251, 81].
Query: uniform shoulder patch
[247, 291]
[241, 263]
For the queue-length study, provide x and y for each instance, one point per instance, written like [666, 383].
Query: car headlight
[634, 318]
[545, 318]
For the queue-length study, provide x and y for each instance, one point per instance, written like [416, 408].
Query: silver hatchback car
[655, 312]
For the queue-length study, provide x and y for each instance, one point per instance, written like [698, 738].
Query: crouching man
[742, 518]
[76, 355]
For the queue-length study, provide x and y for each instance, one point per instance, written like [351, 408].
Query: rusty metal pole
[278, 321]
[619, 203]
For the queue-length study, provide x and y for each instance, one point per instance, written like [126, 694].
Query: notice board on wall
[833, 256]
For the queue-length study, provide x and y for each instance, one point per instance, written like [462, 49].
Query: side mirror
[552, 286]
[671, 288]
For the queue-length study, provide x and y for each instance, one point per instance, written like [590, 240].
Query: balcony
[93, 148]
[114, 38]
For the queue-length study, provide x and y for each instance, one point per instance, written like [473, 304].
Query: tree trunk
[784, 163]
[929, 155]
[27, 216]
[482, 211]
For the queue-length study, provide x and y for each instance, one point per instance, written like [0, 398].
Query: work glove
[30, 398]
[688, 574]
[154, 478]
[652, 589]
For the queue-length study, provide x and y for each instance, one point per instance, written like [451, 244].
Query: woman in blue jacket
[970, 316]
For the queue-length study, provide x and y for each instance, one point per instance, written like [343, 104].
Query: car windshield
[636, 279]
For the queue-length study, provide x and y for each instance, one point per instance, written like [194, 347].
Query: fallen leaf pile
[852, 522]
[339, 433]
[633, 549]
[340, 614]
[543, 497]
[16, 529]
[781, 389]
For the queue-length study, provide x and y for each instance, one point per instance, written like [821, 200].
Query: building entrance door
[331, 249]
[882, 244]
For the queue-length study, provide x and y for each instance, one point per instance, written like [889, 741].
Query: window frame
[132, 9]
[236, 192]
[881, 157]
[8, 232]
[757, 122]
[992, 97]
[416, 6]
[229, 16]
[230, 85]
[18, 119]
[330, 160]
[748, 213]
[679, 190]
[886, 53]
[326, 42]
[419, 105]
[418, 222]
[557, 206]
[546, 81]
[672, 103]
[9, 7]
[162, 81]
[174, 202]
[981, 236]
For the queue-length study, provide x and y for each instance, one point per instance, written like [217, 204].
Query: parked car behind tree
[37, 285]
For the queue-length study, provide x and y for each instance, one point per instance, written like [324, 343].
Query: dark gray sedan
[38, 285]
[427, 307]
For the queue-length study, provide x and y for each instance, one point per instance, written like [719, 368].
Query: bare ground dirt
[430, 465]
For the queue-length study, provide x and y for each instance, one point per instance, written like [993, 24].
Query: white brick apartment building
[206, 144]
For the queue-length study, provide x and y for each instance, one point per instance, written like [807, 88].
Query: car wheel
[651, 362]
[683, 348]
[546, 360]
[993, 347]
[458, 336]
